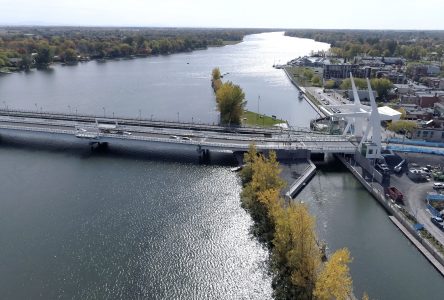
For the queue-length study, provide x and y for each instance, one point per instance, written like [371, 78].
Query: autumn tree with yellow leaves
[334, 281]
[289, 231]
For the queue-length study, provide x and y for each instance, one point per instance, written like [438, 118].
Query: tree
[403, 112]
[330, 84]
[230, 103]
[402, 126]
[382, 86]
[216, 74]
[359, 82]
[334, 281]
[45, 55]
[70, 55]
[316, 80]
[296, 250]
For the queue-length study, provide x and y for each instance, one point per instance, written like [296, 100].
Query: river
[145, 222]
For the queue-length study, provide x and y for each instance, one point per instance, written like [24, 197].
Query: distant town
[406, 70]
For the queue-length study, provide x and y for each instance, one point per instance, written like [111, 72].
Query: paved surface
[189, 134]
[414, 195]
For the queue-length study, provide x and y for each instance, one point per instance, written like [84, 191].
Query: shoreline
[7, 70]
[423, 246]
[305, 94]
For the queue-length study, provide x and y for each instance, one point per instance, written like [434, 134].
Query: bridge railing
[143, 121]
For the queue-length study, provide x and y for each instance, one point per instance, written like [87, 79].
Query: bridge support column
[204, 155]
[98, 146]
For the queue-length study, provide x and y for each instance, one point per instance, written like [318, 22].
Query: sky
[335, 14]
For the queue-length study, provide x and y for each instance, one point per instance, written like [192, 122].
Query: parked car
[438, 222]
[383, 168]
[438, 185]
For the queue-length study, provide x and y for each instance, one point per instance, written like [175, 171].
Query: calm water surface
[143, 222]
[161, 87]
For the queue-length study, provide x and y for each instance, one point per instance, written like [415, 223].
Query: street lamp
[258, 111]
[177, 117]
[36, 108]
[104, 111]
[69, 109]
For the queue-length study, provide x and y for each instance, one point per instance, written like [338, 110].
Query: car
[127, 133]
[438, 185]
[383, 168]
[438, 222]
[424, 169]
[175, 137]
[185, 138]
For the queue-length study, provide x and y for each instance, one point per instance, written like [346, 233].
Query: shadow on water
[118, 150]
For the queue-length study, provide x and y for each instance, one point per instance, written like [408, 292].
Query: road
[414, 195]
[287, 140]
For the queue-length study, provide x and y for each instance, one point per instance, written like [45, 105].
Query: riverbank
[427, 249]
[306, 94]
[250, 118]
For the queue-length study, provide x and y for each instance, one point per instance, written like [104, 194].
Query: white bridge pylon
[366, 120]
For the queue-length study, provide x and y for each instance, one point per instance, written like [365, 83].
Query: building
[429, 134]
[428, 99]
[419, 71]
[438, 109]
[341, 71]
[411, 88]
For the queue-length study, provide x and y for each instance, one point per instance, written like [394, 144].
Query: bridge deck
[205, 136]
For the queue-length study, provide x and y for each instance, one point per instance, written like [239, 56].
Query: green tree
[359, 82]
[230, 103]
[334, 281]
[330, 84]
[70, 55]
[316, 80]
[45, 55]
[382, 86]
[402, 125]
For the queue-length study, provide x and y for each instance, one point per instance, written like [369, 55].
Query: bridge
[98, 130]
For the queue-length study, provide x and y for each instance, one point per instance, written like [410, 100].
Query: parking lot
[415, 192]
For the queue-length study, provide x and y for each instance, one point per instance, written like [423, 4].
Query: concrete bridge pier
[204, 155]
[98, 146]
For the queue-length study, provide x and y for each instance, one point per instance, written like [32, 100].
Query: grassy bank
[254, 119]
[304, 76]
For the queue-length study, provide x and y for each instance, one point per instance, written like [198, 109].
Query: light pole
[151, 117]
[69, 109]
[36, 108]
[258, 111]
[104, 111]
[177, 117]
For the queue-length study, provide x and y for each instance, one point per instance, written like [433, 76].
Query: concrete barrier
[300, 183]
[438, 261]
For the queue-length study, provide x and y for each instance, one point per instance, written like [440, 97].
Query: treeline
[412, 45]
[382, 86]
[40, 46]
[299, 266]
[230, 99]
